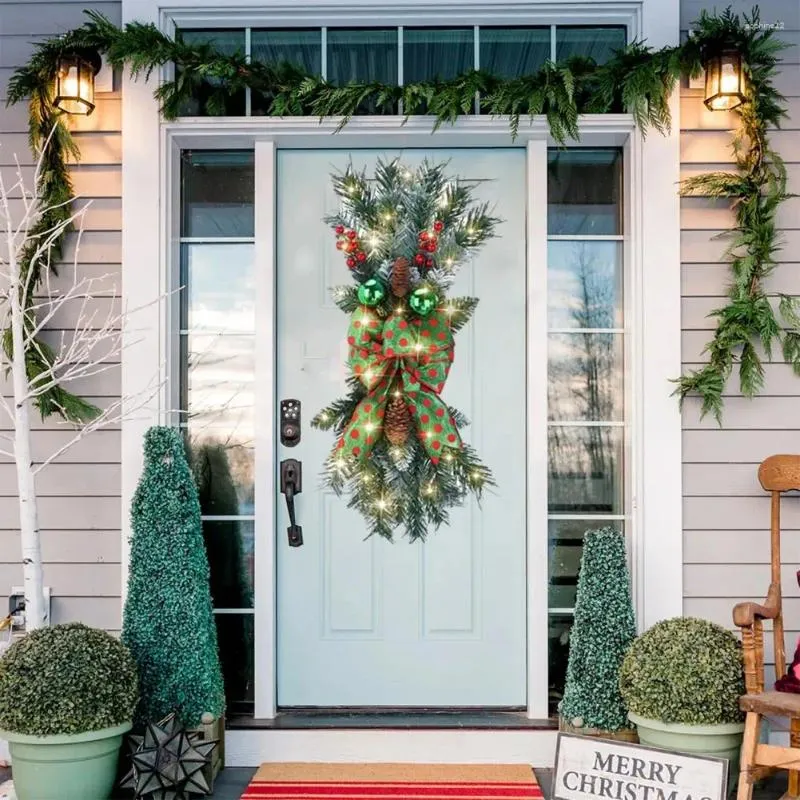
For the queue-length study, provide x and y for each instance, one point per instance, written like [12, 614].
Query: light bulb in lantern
[724, 81]
[74, 86]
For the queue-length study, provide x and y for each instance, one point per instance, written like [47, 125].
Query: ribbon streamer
[408, 355]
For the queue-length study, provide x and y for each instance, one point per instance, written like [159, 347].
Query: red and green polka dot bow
[405, 355]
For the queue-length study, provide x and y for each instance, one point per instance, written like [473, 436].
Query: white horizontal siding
[726, 513]
[80, 508]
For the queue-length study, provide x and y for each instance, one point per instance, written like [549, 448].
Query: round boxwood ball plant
[66, 679]
[684, 670]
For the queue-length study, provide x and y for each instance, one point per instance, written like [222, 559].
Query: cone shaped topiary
[602, 632]
[168, 623]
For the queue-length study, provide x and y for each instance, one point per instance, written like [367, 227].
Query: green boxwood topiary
[684, 670]
[66, 679]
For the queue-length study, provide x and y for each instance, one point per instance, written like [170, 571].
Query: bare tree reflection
[220, 448]
[585, 385]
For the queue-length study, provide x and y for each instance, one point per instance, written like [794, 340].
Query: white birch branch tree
[87, 321]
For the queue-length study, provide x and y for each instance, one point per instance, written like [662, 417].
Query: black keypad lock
[290, 422]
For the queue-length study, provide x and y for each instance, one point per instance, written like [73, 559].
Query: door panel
[364, 622]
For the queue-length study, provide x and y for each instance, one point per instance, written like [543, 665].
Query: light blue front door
[366, 622]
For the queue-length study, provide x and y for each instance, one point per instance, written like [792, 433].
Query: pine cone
[400, 277]
[397, 422]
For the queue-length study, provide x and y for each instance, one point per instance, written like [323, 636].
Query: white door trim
[652, 256]
[536, 432]
[266, 450]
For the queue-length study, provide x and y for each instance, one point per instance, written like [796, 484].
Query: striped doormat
[392, 782]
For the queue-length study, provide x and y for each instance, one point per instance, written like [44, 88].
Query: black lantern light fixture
[724, 81]
[74, 89]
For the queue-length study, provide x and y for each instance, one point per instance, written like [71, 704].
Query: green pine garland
[636, 79]
[168, 623]
[603, 630]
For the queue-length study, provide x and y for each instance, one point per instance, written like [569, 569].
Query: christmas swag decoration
[399, 452]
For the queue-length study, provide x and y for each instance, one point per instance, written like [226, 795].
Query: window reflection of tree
[584, 385]
[221, 457]
[230, 574]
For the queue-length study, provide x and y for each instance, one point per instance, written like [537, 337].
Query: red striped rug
[393, 782]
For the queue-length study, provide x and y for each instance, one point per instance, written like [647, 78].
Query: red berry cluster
[427, 243]
[347, 240]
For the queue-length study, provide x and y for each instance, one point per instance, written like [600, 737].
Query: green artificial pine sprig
[603, 630]
[168, 623]
[636, 79]
[755, 192]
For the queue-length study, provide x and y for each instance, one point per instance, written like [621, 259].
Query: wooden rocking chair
[777, 474]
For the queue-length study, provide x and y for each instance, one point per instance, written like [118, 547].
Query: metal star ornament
[168, 762]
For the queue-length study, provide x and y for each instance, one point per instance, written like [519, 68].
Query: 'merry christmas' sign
[593, 769]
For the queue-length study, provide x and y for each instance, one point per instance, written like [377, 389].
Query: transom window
[401, 55]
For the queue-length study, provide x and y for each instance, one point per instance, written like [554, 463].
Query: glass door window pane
[219, 287]
[598, 43]
[300, 48]
[584, 283]
[217, 193]
[586, 470]
[229, 42]
[584, 374]
[584, 192]
[437, 53]
[511, 52]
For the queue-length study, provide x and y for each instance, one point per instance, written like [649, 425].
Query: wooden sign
[597, 769]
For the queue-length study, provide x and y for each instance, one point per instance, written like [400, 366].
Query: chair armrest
[745, 614]
[748, 617]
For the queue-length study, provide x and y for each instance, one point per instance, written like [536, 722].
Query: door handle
[291, 486]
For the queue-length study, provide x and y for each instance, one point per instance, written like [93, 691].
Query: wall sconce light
[74, 90]
[724, 81]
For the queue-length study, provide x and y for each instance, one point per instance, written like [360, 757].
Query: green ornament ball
[371, 292]
[423, 301]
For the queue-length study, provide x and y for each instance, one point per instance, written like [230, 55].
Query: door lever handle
[291, 486]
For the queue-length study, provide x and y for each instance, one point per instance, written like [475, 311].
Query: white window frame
[651, 254]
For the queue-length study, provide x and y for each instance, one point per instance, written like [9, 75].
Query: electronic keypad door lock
[289, 428]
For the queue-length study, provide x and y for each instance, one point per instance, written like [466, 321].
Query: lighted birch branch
[83, 321]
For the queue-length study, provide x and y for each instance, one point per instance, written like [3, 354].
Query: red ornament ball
[339, 245]
[362, 256]
[419, 259]
[351, 234]
[438, 226]
[424, 236]
[431, 248]
[351, 262]
[339, 229]
[428, 262]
